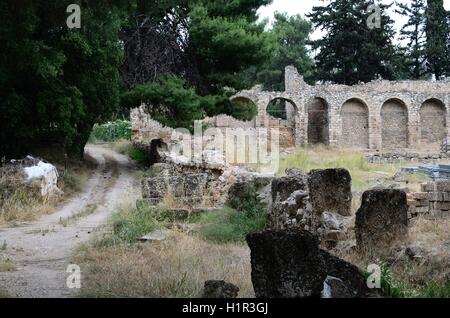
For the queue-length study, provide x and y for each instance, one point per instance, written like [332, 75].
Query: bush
[111, 131]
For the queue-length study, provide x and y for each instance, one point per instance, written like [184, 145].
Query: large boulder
[382, 220]
[330, 190]
[290, 264]
[286, 264]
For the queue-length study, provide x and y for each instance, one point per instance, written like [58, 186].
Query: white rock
[48, 176]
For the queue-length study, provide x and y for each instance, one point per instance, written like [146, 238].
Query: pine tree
[292, 37]
[351, 52]
[413, 32]
[438, 33]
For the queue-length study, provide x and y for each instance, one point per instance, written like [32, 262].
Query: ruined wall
[355, 125]
[377, 115]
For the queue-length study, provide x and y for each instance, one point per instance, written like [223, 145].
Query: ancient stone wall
[376, 115]
[432, 203]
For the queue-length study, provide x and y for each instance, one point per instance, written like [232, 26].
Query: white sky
[302, 7]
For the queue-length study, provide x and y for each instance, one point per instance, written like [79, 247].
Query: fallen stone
[330, 190]
[382, 220]
[220, 289]
[290, 264]
[286, 264]
[158, 235]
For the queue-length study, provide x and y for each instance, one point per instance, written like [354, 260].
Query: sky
[302, 7]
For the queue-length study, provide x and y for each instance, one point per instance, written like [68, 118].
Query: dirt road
[40, 251]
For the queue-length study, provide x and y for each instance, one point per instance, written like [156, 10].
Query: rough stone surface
[293, 198]
[382, 220]
[376, 115]
[220, 289]
[432, 203]
[286, 264]
[330, 190]
[289, 263]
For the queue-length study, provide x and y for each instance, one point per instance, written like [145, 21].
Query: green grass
[364, 174]
[134, 224]
[228, 225]
[125, 147]
[394, 287]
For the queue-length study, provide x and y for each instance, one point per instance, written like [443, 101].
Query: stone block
[382, 220]
[286, 264]
[154, 187]
[177, 186]
[442, 185]
[330, 190]
[195, 184]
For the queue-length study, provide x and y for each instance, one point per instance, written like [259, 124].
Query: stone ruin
[290, 264]
[319, 202]
[379, 115]
[381, 221]
[433, 202]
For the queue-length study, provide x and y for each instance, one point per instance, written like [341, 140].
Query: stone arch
[394, 124]
[282, 114]
[433, 123]
[246, 101]
[355, 124]
[318, 121]
[282, 108]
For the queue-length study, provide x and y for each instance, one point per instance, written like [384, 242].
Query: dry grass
[22, 202]
[365, 175]
[427, 274]
[177, 267]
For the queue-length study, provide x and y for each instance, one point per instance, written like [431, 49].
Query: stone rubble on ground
[319, 202]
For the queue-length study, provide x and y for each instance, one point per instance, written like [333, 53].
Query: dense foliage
[291, 36]
[438, 38]
[111, 131]
[351, 52]
[57, 82]
[185, 58]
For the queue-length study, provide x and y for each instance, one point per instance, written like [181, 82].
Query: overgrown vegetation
[111, 131]
[228, 225]
[116, 264]
[22, 202]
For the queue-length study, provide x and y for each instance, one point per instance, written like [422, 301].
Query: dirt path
[40, 250]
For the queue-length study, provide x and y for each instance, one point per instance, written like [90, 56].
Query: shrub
[111, 131]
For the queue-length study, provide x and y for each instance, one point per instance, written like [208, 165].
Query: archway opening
[394, 124]
[355, 124]
[318, 122]
[433, 123]
[282, 108]
[243, 108]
